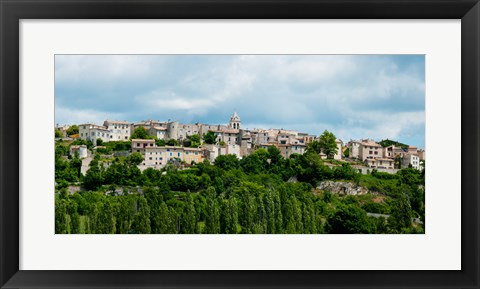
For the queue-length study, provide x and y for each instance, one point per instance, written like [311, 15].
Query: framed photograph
[239, 144]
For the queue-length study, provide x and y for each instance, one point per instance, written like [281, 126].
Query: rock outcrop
[342, 188]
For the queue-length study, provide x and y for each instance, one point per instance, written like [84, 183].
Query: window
[81, 134]
[178, 154]
[376, 152]
[170, 154]
[370, 152]
[126, 137]
[150, 158]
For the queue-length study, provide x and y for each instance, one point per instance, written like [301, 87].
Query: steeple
[234, 121]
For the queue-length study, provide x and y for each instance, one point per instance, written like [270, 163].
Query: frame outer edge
[471, 143]
[9, 266]
[9, 151]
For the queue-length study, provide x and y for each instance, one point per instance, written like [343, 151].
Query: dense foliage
[386, 142]
[261, 193]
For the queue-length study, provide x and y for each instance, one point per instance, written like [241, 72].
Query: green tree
[227, 162]
[212, 221]
[401, 213]
[210, 137]
[328, 144]
[60, 216]
[141, 225]
[94, 177]
[269, 205]
[346, 152]
[160, 142]
[140, 133]
[256, 162]
[189, 218]
[134, 159]
[105, 222]
[76, 164]
[192, 141]
[172, 142]
[72, 130]
[348, 219]
[58, 133]
[231, 215]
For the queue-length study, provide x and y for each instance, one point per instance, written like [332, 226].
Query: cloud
[378, 96]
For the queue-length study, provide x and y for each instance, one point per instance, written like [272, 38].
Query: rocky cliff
[342, 188]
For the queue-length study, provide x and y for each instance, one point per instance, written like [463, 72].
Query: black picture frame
[11, 11]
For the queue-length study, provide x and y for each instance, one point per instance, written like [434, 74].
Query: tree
[60, 216]
[212, 221]
[58, 133]
[346, 152]
[94, 177]
[76, 164]
[172, 142]
[328, 144]
[210, 137]
[401, 213]
[140, 133]
[231, 215]
[189, 218]
[160, 142]
[141, 225]
[134, 159]
[72, 130]
[349, 219]
[192, 141]
[99, 142]
[256, 163]
[227, 162]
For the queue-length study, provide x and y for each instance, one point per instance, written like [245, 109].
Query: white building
[338, 154]
[411, 159]
[92, 132]
[80, 149]
[119, 130]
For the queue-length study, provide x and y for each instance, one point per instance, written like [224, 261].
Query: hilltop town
[167, 142]
[169, 177]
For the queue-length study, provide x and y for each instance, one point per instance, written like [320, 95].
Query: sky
[353, 96]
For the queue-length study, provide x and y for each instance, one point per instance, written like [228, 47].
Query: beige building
[365, 149]
[286, 150]
[139, 145]
[380, 163]
[158, 157]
